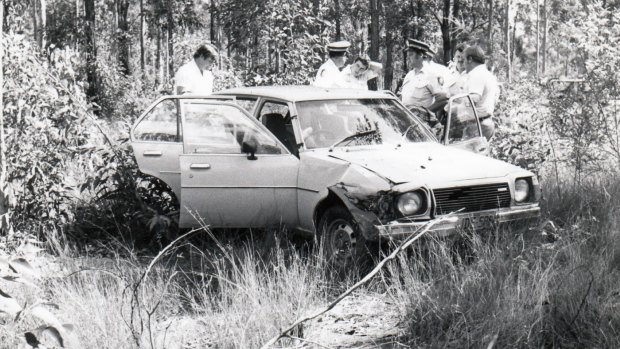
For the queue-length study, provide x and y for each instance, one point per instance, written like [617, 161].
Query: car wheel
[344, 245]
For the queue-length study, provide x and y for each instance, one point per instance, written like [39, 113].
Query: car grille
[471, 199]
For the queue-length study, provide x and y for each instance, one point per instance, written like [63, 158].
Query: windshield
[338, 122]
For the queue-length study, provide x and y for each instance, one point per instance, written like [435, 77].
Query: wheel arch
[364, 220]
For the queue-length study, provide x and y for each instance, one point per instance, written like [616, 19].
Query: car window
[463, 123]
[160, 124]
[222, 129]
[247, 103]
[381, 121]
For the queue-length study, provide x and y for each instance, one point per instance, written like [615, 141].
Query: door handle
[153, 153]
[200, 166]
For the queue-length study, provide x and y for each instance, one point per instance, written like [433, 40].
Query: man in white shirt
[483, 87]
[421, 85]
[195, 76]
[329, 74]
[357, 74]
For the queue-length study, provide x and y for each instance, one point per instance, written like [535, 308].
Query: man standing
[483, 87]
[421, 85]
[329, 74]
[357, 74]
[195, 76]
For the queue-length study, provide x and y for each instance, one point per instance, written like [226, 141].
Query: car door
[462, 128]
[156, 140]
[232, 168]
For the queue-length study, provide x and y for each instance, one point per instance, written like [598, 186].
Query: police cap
[418, 45]
[338, 46]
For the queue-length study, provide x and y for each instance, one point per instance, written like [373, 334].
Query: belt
[484, 118]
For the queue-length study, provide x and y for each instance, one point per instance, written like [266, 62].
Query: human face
[204, 63]
[340, 60]
[415, 59]
[459, 60]
[358, 69]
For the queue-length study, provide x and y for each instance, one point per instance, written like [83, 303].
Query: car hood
[429, 162]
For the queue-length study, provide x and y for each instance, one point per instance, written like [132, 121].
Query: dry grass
[544, 287]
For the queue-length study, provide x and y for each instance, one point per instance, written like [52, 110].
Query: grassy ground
[552, 286]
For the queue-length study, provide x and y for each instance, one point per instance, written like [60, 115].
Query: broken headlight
[411, 203]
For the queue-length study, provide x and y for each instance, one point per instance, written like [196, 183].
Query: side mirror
[249, 147]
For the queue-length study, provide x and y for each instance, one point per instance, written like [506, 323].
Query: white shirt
[359, 82]
[420, 88]
[482, 82]
[329, 76]
[193, 80]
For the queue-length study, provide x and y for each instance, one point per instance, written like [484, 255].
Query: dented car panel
[304, 150]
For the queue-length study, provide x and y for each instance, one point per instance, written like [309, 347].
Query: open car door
[462, 126]
[234, 172]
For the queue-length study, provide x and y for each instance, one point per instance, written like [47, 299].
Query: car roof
[296, 93]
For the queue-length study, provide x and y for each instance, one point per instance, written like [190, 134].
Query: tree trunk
[122, 9]
[42, 24]
[544, 43]
[337, 17]
[158, 69]
[456, 7]
[537, 38]
[212, 34]
[388, 70]
[35, 22]
[507, 33]
[419, 28]
[170, 42]
[374, 36]
[77, 22]
[445, 29]
[490, 28]
[142, 62]
[91, 48]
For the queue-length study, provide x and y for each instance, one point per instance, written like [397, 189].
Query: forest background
[77, 73]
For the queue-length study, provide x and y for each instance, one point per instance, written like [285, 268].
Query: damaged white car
[353, 166]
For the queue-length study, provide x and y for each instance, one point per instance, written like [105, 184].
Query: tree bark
[35, 22]
[456, 7]
[445, 29]
[170, 42]
[507, 33]
[490, 27]
[142, 61]
[537, 38]
[388, 70]
[122, 9]
[42, 24]
[337, 18]
[212, 33]
[374, 36]
[91, 48]
[158, 67]
[3, 165]
[544, 43]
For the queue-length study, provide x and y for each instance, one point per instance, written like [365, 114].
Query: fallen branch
[403, 246]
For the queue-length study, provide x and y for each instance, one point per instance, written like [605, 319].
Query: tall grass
[231, 295]
[552, 286]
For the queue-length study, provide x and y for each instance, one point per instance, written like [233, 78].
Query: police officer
[421, 86]
[329, 74]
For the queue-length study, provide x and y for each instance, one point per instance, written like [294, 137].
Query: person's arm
[180, 82]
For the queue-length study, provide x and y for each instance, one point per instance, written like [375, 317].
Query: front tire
[344, 245]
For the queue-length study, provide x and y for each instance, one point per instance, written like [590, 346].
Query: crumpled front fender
[367, 221]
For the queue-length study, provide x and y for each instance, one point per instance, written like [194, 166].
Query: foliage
[46, 134]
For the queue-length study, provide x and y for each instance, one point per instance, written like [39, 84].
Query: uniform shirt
[359, 82]
[456, 83]
[329, 76]
[442, 72]
[482, 82]
[193, 80]
[420, 88]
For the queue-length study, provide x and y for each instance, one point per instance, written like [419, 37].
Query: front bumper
[460, 221]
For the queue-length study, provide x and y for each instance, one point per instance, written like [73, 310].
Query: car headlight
[522, 190]
[410, 203]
